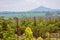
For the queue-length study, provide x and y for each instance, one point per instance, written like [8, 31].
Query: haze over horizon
[27, 5]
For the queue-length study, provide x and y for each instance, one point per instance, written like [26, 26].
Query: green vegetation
[29, 28]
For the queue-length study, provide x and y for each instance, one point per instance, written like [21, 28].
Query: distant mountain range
[37, 12]
[42, 8]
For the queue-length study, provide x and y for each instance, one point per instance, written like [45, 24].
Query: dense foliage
[28, 28]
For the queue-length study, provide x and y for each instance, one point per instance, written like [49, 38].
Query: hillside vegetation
[30, 29]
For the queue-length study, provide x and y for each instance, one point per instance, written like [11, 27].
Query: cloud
[51, 3]
[18, 6]
[26, 5]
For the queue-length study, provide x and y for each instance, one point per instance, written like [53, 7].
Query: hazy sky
[26, 5]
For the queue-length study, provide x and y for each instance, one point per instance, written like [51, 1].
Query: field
[30, 29]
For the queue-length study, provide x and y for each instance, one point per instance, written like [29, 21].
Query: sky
[27, 5]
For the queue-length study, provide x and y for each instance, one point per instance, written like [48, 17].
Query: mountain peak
[42, 8]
